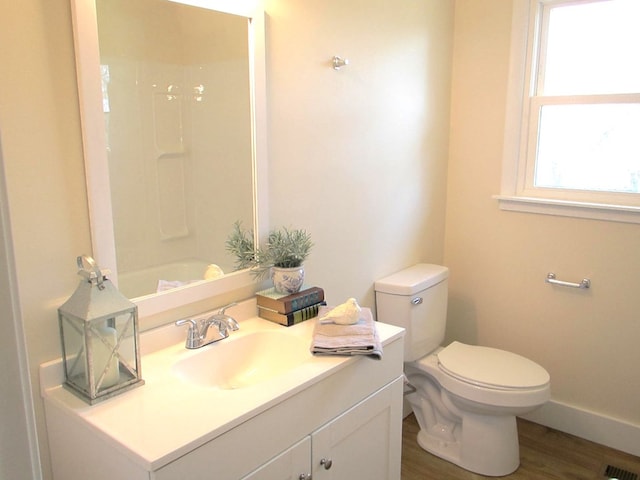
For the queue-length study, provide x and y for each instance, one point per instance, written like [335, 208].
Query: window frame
[519, 153]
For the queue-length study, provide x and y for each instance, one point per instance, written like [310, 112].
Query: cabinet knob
[304, 476]
[326, 463]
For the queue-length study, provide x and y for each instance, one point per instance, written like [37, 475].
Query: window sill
[596, 211]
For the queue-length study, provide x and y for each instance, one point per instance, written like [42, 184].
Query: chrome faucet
[198, 333]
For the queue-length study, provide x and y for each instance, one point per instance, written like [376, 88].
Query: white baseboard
[592, 426]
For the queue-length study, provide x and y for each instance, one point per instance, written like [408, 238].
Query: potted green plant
[282, 256]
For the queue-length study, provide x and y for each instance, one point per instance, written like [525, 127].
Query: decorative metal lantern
[100, 339]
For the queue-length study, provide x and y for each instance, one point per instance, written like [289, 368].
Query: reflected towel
[164, 285]
[361, 338]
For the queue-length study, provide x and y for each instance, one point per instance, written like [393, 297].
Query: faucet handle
[222, 309]
[192, 334]
[230, 321]
[192, 323]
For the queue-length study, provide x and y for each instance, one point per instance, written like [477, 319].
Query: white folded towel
[360, 338]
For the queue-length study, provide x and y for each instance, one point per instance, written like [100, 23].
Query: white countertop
[168, 417]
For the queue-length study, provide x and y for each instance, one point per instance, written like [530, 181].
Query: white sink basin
[244, 360]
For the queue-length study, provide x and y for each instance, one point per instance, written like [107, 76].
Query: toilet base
[479, 438]
[475, 427]
[487, 445]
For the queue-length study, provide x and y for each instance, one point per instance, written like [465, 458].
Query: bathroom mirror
[172, 99]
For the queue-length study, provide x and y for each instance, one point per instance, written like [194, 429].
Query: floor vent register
[611, 472]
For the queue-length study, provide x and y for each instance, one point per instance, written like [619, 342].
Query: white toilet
[467, 397]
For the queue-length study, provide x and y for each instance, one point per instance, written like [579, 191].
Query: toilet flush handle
[416, 300]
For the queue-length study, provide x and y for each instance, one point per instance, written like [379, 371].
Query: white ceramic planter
[287, 280]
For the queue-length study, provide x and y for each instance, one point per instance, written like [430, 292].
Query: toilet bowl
[466, 397]
[467, 420]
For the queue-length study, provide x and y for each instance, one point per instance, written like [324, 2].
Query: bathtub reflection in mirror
[179, 130]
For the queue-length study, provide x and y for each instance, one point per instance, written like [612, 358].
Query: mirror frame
[87, 52]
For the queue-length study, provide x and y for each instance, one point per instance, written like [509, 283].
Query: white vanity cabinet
[364, 442]
[292, 464]
[360, 443]
[333, 418]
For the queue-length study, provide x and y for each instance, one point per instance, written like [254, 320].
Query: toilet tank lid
[413, 279]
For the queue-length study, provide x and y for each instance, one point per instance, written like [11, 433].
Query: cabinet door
[292, 464]
[364, 442]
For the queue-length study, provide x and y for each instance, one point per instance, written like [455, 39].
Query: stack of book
[289, 309]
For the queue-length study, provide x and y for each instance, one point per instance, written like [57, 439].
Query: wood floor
[545, 454]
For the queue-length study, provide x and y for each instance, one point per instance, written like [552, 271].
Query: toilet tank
[416, 299]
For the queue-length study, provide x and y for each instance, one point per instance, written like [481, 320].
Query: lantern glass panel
[74, 357]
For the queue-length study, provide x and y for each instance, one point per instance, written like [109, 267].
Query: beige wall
[42, 151]
[357, 157]
[588, 340]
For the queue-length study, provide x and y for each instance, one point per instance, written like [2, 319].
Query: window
[573, 140]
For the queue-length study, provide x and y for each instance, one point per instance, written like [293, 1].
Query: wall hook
[339, 62]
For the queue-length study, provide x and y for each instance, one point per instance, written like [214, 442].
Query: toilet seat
[488, 376]
[491, 368]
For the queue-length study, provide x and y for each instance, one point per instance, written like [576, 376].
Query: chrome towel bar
[551, 278]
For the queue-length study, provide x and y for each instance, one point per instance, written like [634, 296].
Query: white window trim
[513, 196]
